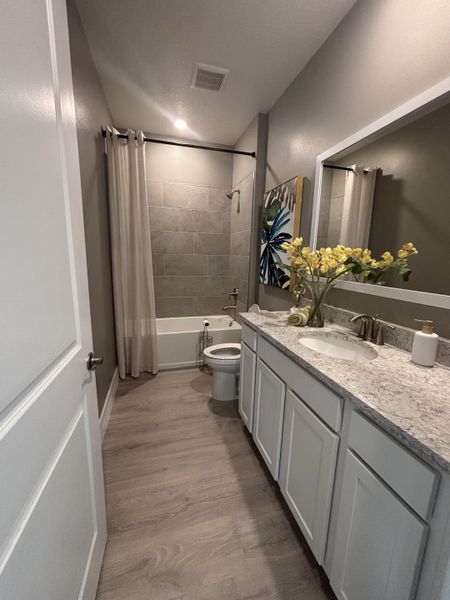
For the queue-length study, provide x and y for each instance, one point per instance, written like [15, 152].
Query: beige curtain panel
[358, 204]
[134, 296]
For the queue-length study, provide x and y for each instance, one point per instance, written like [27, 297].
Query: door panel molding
[9, 544]
[35, 390]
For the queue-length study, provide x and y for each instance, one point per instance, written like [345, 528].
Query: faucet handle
[362, 333]
[379, 340]
[363, 318]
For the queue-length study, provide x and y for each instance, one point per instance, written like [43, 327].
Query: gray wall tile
[208, 305]
[158, 264]
[185, 264]
[217, 199]
[226, 217]
[174, 307]
[195, 232]
[218, 265]
[163, 219]
[240, 243]
[242, 220]
[200, 221]
[239, 266]
[200, 286]
[181, 195]
[226, 285]
[174, 287]
[178, 242]
[211, 243]
[155, 193]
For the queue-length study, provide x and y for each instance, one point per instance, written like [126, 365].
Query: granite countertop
[410, 402]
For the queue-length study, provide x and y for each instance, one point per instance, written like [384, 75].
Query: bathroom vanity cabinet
[247, 385]
[362, 501]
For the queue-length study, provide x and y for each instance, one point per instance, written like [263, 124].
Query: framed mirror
[389, 184]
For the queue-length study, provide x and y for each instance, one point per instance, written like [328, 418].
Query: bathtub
[179, 338]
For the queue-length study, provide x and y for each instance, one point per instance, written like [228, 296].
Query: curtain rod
[183, 145]
[341, 168]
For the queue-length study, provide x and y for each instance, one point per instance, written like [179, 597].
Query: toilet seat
[224, 359]
[223, 352]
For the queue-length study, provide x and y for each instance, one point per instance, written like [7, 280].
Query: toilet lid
[223, 351]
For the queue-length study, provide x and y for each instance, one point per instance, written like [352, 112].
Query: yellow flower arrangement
[319, 269]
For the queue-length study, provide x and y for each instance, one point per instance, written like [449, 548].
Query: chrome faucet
[371, 329]
[232, 298]
[366, 327]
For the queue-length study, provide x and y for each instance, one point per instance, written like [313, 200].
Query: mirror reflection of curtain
[134, 297]
[357, 208]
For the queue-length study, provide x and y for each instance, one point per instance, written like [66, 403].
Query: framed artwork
[280, 223]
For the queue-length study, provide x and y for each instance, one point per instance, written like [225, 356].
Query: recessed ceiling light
[180, 124]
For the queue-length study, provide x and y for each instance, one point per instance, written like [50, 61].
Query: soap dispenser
[425, 344]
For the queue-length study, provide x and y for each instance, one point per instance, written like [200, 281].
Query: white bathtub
[179, 338]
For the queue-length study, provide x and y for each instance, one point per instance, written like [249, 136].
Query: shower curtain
[134, 297]
[357, 208]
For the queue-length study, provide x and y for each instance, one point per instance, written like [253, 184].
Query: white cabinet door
[379, 541]
[268, 422]
[52, 509]
[308, 460]
[247, 385]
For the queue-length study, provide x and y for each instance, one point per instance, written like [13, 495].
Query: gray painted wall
[244, 165]
[92, 112]
[381, 54]
[188, 165]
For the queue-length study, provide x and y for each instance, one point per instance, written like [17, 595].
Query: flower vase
[318, 291]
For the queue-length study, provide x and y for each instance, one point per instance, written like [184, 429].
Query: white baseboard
[107, 407]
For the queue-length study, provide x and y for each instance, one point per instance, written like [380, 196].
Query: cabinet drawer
[249, 337]
[325, 403]
[407, 475]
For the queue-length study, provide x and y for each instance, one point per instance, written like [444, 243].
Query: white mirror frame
[427, 298]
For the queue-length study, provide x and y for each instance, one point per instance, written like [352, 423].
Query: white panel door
[247, 385]
[308, 460]
[268, 421]
[379, 540]
[52, 512]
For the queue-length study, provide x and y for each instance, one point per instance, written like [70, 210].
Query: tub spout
[231, 307]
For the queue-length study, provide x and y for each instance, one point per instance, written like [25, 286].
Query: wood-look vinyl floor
[192, 514]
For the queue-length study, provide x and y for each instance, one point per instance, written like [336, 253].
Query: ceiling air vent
[208, 77]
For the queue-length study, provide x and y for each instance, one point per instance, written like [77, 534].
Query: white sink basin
[338, 346]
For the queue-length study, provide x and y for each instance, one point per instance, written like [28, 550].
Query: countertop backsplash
[400, 337]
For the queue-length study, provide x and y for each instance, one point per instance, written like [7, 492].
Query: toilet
[224, 359]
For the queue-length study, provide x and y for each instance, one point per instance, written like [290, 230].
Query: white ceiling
[144, 51]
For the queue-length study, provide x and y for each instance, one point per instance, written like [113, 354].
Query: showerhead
[230, 195]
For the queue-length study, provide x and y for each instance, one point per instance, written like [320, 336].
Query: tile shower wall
[240, 238]
[190, 231]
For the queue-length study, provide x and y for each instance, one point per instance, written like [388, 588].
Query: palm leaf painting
[280, 223]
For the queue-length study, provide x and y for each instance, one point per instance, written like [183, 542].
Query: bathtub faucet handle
[233, 295]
